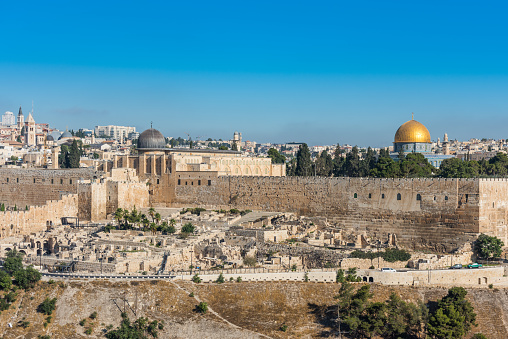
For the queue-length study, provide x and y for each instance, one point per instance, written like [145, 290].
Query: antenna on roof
[412, 116]
[32, 107]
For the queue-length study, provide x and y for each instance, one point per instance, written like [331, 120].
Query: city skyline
[321, 74]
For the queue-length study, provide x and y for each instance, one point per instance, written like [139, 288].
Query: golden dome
[412, 131]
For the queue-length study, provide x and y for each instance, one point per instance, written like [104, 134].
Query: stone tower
[30, 131]
[446, 149]
[21, 120]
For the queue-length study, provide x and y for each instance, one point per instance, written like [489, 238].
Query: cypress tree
[303, 162]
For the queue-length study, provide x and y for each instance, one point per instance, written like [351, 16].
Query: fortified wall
[422, 213]
[34, 187]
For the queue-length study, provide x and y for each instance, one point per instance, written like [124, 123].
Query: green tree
[488, 246]
[188, 228]
[47, 306]
[250, 261]
[13, 262]
[351, 166]
[338, 161]
[220, 279]
[5, 281]
[196, 279]
[27, 278]
[276, 157]
[415, 165]
[118, 215]
[73, 155]
[324, 164]
[303, 162]
[453, 317]
[139, 329]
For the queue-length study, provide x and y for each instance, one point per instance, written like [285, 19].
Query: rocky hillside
[238, 310]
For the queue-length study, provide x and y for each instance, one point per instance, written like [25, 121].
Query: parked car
[456, 267]
[474, 265]
[388, 269]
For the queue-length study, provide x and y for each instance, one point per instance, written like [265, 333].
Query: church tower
[30, 131]
[21, 120]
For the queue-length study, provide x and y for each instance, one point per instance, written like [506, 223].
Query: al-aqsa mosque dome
[151, 139]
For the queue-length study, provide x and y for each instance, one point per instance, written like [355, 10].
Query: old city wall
[37, 217]
[34, 187]
[493, 218]
[422, 213]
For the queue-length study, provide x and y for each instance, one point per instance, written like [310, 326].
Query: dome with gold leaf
[411, 132]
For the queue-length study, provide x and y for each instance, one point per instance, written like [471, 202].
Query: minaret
[21, 120]
[446, 149]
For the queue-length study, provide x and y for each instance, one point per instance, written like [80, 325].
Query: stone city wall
[33, 187]
[423, 213]
[37, 217]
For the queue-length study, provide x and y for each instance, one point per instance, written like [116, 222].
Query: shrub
[250, 261]
[47, 306]
[202, 307]
[10, 297]
[48, 319]
[491, 286]
[340, 277]
[191, 295]
[43, 336]
[220, 279]
[93, 315]
[24, 324]
[371, 267]
[188, 228]
[88, 331]
[306, 277]
[284, 328]
[196, 279]
[82, 322]
[239, 279]
[231, 279]
[5, 281]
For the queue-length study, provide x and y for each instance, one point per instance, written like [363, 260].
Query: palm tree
[153, 228]
[157, 217]
[118, 215]
[151, 211]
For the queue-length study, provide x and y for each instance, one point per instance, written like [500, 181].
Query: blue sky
[321, 72]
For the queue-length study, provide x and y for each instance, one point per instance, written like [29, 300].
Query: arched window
[382, 196]
[370, 195]
[446, 197]
[418, 197]
[399, 197]
[356, 196]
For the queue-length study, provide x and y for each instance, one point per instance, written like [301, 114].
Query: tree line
[381, 165]
[451, 317]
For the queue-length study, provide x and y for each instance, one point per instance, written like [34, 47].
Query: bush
[43, 336]
[220, 279]
[196, 279]
[239, 279]
[390, 255]
[24, 324]
[82, 322]
[10, 297]
[47, 306]
[191, 295]
[231, 279]
[371, 267]
[88, 331]
[306, 277]
[250, 261]
[284, 328]
[93, 315]
[188, 228]
[340, 277]
[488, 247]
[5, 281]
[202, 307]
[491, 286]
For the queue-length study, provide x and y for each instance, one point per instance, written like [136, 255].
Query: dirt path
[217, 314]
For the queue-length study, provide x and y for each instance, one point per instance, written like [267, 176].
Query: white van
[388, 269]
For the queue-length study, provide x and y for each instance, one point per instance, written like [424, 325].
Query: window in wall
[70, 181]
[186, 183]
[356, 196]
[179, 182]
[61, 181]
[209, 182]
[370, 195]
[17, 179]
[157, 181]
[382, 196]
[467, 197]
[34, 180]
[192, 183]
[7, 179]
[446, 197]
[52, 181]
[418, 197]
[199, 182]
[434, 198]
[399, 197]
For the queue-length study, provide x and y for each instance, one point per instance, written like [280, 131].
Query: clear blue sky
[321, 72]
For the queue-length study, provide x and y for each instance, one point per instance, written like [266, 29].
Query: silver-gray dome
[151, 138]
[65, 134]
